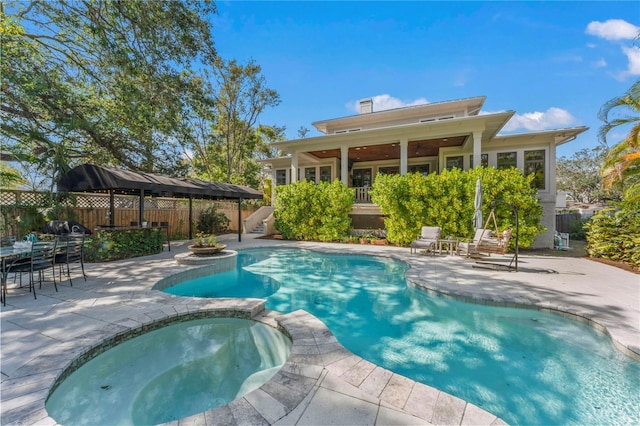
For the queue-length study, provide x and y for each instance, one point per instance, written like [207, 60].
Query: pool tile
[422, 401]
[342, 365]
[330, 407]
[448, 410]
[359, 372]
[375, 382]
[474, 415]
[390, 416]
[287, 396]
[244, 413]
[268, 407]
[397, 390]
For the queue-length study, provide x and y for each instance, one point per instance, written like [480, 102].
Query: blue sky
[554, 63]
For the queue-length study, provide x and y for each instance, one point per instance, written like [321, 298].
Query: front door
[362, 177]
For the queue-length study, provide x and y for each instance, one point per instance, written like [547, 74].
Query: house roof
[92, 178]
[471, 106]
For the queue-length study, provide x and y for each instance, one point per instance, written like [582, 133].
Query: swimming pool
[170, 373]
[525, 366]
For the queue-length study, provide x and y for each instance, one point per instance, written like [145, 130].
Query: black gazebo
[92, 178]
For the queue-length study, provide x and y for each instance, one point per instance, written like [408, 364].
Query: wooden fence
[565, 220]
[92, 210]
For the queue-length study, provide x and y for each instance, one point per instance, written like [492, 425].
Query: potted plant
[144, 223]
[206, 244]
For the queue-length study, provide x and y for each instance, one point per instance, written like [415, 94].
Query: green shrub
[123, 244]
[447, 200]
[211, 221]
[615, 234]
[306, 211]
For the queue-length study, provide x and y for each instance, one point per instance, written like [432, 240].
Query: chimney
[366, 106]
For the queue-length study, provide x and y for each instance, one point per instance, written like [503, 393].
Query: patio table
[449, 245]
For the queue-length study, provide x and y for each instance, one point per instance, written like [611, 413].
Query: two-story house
[423, 138]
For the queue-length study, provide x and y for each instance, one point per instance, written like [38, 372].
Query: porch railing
[362, 194]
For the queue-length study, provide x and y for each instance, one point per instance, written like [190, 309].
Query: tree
[580, 174]
[622, 164]
[225, 141]
[106, 79]
[240, 97]
[302, 132]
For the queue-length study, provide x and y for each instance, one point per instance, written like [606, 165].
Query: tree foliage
[306, 211]
[622, 164]
[226, 139]
[580, 175]
[100, 80]
[447, 200]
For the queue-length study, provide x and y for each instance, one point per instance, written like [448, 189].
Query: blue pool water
[171, 373]
[525, 366]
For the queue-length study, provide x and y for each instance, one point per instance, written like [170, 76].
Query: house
[423, 138]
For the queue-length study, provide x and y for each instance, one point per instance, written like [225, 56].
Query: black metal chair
[42, 257]
[72, 246]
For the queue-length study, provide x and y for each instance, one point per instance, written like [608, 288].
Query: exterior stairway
[259, 229]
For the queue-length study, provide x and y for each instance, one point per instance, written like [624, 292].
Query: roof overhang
[454, 132]
[560, 136]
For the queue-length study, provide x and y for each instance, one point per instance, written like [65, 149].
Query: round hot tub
[171, 373]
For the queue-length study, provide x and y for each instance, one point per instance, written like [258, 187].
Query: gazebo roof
[92, 178]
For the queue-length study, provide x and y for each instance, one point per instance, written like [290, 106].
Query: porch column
[344, 165]
[404, 158]
[273, 186]
[477, 148]
[294, 167]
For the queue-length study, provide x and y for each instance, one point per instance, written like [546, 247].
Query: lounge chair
[427, 240]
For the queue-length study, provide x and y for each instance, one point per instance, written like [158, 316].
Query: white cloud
[613, 29]
[385, 102]
[633, 55]
[600, 63]
[534, 121]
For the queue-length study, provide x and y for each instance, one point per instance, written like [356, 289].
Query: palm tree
[622, 164]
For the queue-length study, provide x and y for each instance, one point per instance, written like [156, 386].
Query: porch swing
[499, 243]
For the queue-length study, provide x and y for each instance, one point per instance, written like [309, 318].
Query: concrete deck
[322, 382]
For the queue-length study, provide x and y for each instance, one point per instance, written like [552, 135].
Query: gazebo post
[190, 217]
[239, 219]
[112, 208]
[141, 219]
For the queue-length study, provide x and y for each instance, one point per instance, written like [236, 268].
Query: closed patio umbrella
[477, 203]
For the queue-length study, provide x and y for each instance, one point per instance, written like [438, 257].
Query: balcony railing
[362, 194]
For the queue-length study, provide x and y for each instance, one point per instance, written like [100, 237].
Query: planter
[379, 242]
[207, 250]
[364, 241]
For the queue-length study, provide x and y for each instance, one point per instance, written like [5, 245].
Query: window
[423, 169]
[361, 177]
[534, 164]
[507, 159]
[310, 174]
[484, 160]
[281, 177]
[389, 170]
[454, 162]
[325, 174]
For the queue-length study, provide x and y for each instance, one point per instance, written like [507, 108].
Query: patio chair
[72, 252]
[427, 240]
[42, 257]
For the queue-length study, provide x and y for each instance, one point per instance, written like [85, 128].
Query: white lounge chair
[427, 240]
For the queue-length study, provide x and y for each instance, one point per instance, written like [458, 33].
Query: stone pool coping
[40, 337]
